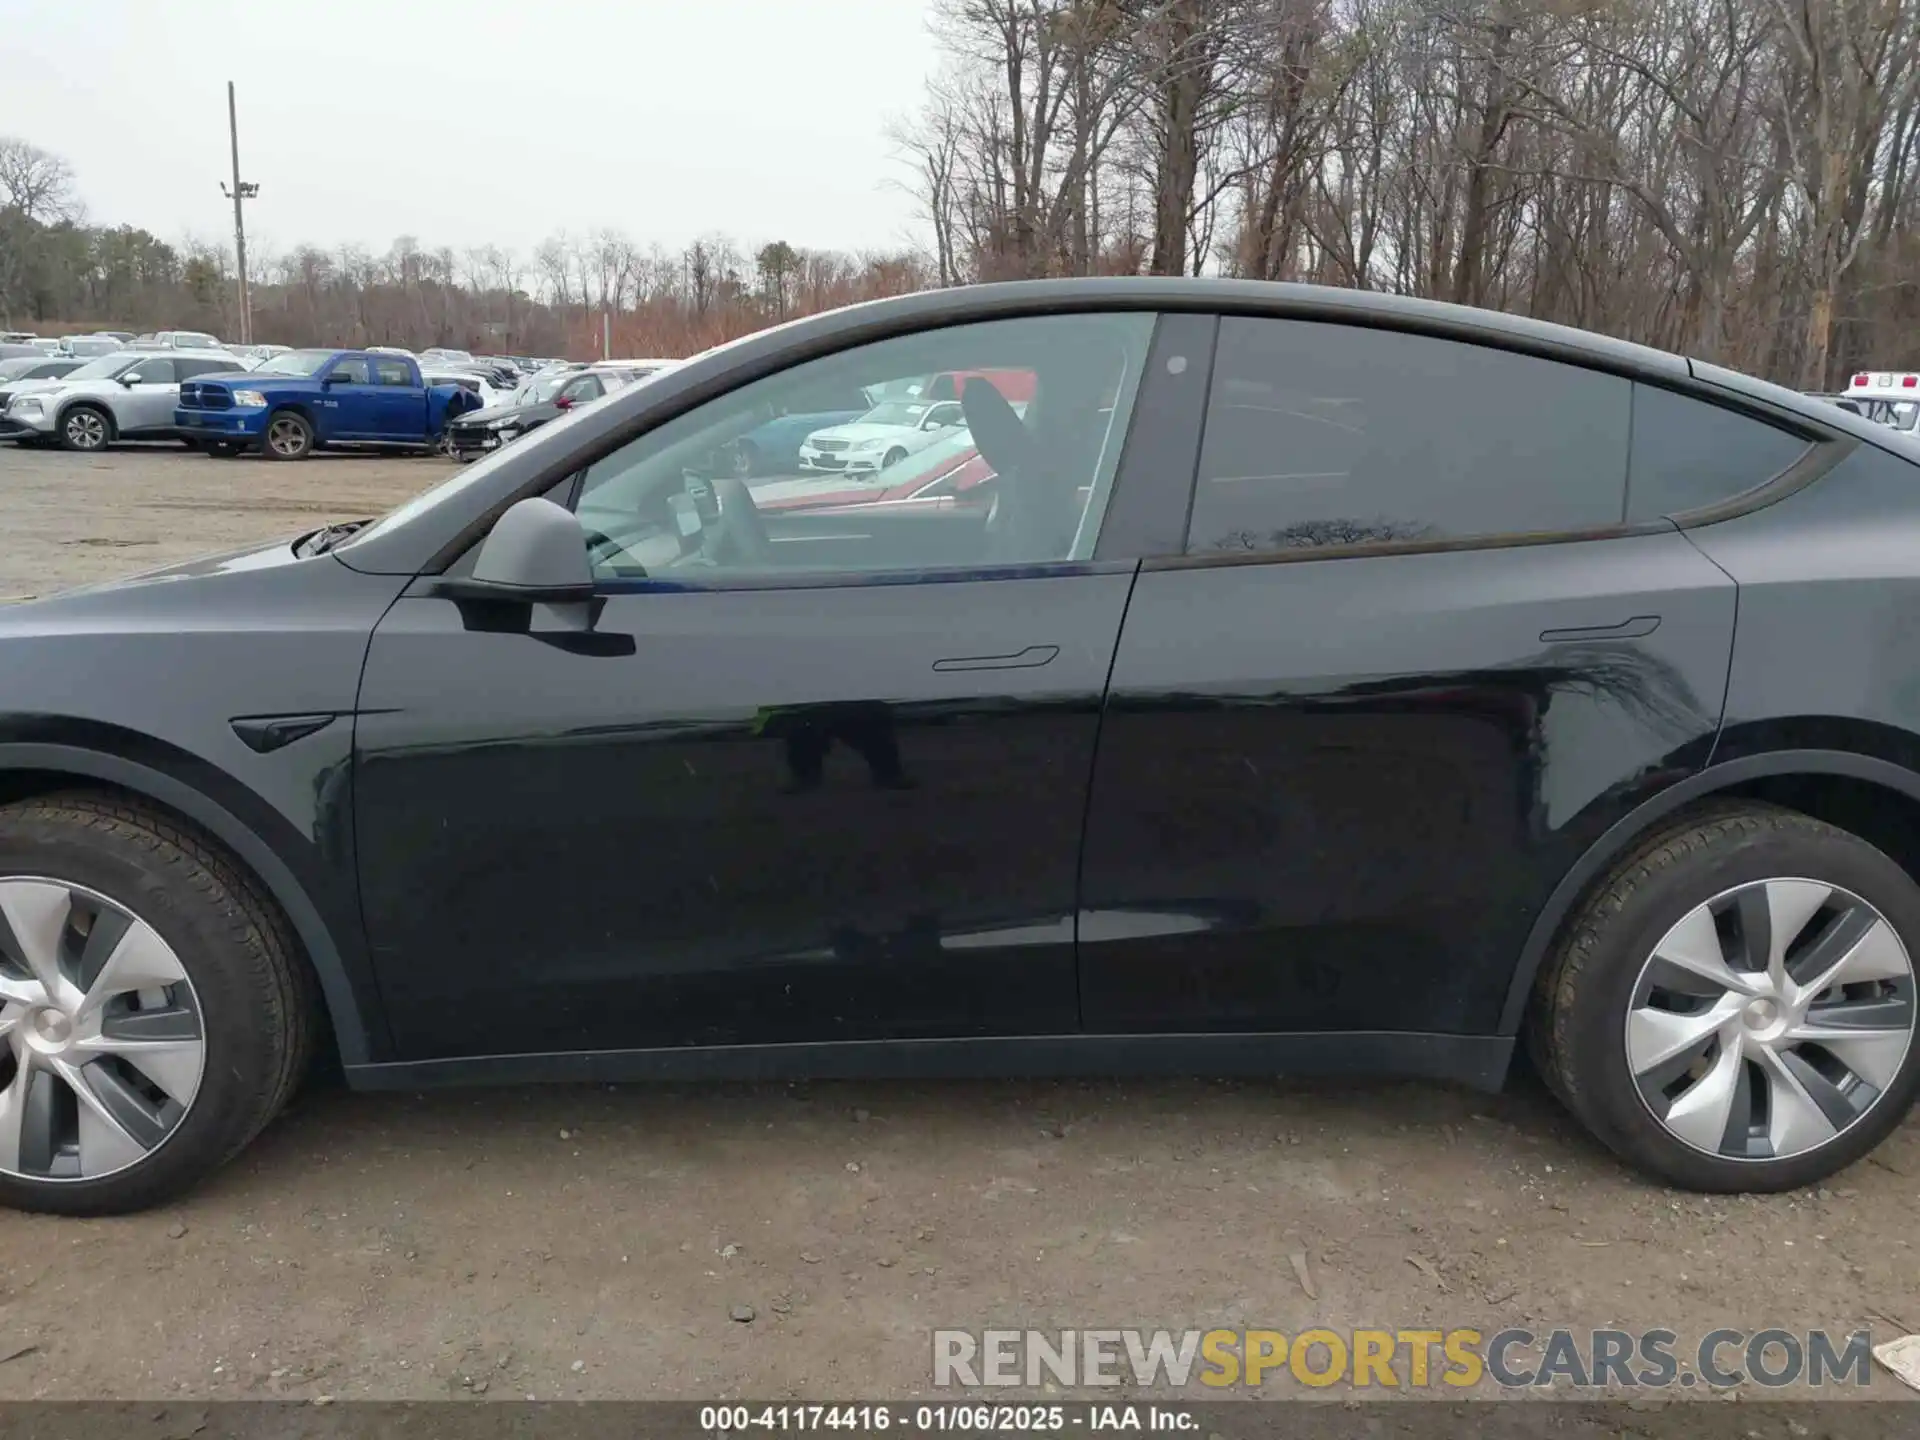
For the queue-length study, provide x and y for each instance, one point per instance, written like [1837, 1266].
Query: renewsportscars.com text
[1456, 1358]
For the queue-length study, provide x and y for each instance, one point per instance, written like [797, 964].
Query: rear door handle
[1030, 658]
[1626, 630]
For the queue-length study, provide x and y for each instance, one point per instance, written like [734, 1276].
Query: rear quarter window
[1322, 436]
[1688, 454]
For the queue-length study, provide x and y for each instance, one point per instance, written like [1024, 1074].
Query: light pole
[242, 190]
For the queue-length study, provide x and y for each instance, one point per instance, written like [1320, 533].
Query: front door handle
[1626, 630]
[1030, 658]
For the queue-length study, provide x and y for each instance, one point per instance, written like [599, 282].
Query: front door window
[848, 463]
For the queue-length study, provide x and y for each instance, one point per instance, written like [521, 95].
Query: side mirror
[535, 553]
[129, 380]
[563, 402]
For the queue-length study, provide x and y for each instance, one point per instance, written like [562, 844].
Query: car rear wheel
[289, 437]
[746, 460]
[85, 428]
[154, 1014]
[1733, 1007]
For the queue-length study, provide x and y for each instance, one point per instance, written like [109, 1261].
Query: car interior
[667, 503]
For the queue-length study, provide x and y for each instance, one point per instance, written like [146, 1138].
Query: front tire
[1733, 1007]
[86, 428]
[156, 1012]
[892, 458]
[289, 437]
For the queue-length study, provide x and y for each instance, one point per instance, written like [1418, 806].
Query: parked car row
[543, 397]
[285, 403]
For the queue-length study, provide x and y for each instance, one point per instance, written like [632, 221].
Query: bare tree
[36, 182]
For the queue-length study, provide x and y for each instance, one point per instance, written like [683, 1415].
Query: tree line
[1731, 178]
[60, 274]
[1736, 179]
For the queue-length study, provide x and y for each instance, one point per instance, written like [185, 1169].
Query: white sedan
[884, 436]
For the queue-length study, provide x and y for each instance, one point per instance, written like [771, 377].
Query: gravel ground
[572, 1242]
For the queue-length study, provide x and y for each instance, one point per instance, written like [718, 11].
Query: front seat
[740, 538]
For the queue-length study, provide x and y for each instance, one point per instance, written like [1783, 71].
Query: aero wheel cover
[102, 1044]
[1771, 1020]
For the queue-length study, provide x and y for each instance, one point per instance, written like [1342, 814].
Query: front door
[148, 402]
[349, 403]
[815, 773]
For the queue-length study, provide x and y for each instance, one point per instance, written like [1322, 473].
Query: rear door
[1409, 663]
[400, 402]
[349, 401]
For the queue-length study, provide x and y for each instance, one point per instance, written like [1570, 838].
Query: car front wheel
[154, 1014]
[289, 437]
[1733, 1007]
[85, 428]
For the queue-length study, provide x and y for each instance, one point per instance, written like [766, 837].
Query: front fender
[247, 826]
[444, 402]
[92, 402]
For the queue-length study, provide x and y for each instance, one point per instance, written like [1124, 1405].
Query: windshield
[894, 414]
[105, 368]
[538, 390]
[1900, 414]
[294, 362]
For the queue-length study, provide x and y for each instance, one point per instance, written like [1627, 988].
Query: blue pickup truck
[299, 401]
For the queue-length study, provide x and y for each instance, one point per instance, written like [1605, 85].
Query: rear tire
[216, 967]
[1682, 1014]
[289, 436]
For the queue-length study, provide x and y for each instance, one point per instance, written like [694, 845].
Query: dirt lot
[572, 1242]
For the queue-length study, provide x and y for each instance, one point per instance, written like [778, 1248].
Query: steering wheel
[607, 545]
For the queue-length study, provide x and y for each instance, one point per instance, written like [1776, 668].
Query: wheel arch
[1813, 781]
[31, 768]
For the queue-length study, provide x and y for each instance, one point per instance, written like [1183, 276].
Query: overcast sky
[469, 122]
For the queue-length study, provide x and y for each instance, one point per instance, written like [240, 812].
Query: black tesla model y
[1251, 679]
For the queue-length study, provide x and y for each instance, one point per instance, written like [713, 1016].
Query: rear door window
[392, 372]
[1323, 436]
[1688, 453]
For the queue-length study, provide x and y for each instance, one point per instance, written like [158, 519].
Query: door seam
[1086, 801]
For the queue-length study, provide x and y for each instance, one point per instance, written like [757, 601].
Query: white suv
[127, 396]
